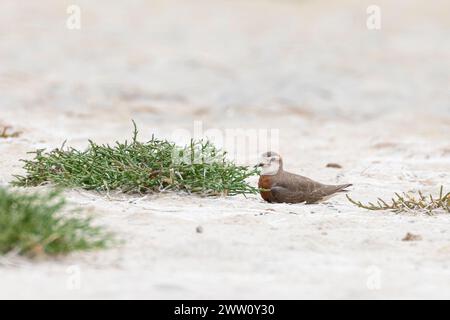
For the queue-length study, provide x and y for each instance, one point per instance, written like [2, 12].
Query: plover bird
[283, 186]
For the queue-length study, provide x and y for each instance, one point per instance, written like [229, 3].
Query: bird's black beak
[259, 165]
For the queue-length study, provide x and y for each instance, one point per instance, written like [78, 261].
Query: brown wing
[292, 188]
[282, 194]
[295, 182]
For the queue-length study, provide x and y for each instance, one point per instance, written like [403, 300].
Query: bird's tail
[331, 191]
[342, 187]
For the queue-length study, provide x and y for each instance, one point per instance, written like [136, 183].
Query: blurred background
[310, 68]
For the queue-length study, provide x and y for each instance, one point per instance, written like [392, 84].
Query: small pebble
[412, 237]
[334, 165]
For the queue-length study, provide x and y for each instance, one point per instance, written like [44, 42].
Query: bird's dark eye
[273, 159]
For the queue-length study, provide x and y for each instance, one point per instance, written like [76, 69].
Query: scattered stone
[412, 237]
[199, 229]
[384, 145]
[334, 165]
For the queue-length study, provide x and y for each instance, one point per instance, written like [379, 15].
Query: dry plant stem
[4, 133]
[407, 202]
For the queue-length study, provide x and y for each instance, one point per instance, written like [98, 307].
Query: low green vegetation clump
[33, 225]
[410, 203]
[142, 167]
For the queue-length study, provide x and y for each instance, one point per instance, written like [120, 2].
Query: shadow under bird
[282, 186]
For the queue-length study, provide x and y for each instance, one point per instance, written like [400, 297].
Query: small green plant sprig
[410, 203]
[153, 166]
[33, 225]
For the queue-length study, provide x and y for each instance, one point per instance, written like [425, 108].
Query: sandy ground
[376, 102]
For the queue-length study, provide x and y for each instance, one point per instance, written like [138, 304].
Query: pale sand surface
[376, 102]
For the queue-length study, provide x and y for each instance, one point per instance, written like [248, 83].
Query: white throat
[270, 170]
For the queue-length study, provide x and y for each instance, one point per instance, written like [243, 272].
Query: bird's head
[270, 163]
